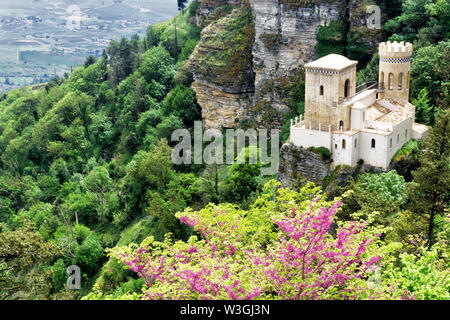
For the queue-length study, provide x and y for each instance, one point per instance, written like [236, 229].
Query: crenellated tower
[395, 66]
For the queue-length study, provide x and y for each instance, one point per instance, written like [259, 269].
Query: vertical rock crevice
[346, 24]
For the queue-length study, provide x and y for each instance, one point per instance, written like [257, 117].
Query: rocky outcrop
[210, 10]
[405, 166]
[358, 16]
[298, 165]
[364, 40]
[222, 65]
[221, 108]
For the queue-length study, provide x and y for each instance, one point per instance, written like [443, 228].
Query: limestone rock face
[222, 66]
[220, 108]
[358, 16]
[286, 37]
[297, 164]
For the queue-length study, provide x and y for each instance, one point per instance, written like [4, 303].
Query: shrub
[325, 153]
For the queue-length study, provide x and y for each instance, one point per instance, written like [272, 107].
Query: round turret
[395, 65]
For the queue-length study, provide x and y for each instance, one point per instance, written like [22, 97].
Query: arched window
[341, 125]
[373, 143]
[400, 81]
[344, 144]
[321, 90]
[391, 81]
[356, 143]
[390, 143]
[406, 133]
[398, 138]
[382, 80]
[347, 88]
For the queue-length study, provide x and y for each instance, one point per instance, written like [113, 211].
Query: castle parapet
[396, 50]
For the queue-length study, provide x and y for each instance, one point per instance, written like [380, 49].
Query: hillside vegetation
[86, 179]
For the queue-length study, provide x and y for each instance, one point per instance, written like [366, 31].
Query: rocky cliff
[222, 65]
[252, 72]
[298, 165]
[211, 10]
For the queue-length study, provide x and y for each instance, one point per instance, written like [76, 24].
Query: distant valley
[43, 38]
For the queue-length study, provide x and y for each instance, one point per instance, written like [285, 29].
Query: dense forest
[86, 179]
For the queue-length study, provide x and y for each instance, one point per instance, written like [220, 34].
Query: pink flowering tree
[281, 248]
[308, 263]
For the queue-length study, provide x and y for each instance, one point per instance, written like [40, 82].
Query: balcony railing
[360, 89]
[366, 86]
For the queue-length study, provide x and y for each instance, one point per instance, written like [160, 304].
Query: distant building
[370, 123]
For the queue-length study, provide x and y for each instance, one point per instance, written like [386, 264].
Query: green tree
[425, 20]
[429, 193]
[371, 72]
[429, 70]
[147, 170]
[242, 180]
[89, 61]
[23, 254]
[89, 255]
[99, 183]
[384, 193]
[158, 65]
[101, 132]
[120, 60]
[181, 4]
[181, 101]
[425, 272]
[424, 111]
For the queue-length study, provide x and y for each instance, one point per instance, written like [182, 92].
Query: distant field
[38, 30]
[7, 56]
[37, 57]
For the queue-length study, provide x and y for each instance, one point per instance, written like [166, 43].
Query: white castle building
[370, 123]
